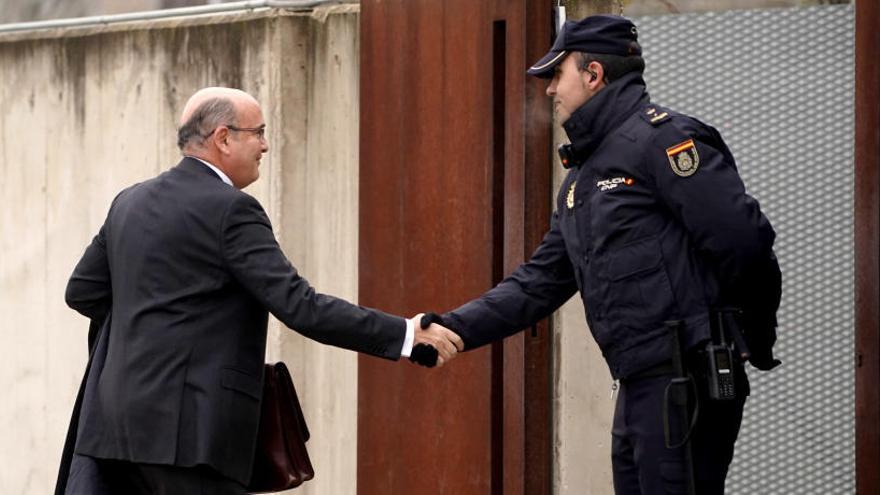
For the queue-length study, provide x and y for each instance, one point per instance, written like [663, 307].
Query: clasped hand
[433, 344]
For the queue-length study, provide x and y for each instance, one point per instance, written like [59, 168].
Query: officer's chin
[560, 115]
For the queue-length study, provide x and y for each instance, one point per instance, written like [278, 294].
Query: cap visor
[544, 68]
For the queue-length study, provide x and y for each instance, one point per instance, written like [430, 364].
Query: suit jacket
[190, 268]
[78, 474]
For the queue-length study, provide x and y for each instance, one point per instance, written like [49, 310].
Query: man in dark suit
[186, 268]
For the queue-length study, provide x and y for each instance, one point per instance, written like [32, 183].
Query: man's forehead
[568, 60]
[250, 111]
[238, 98]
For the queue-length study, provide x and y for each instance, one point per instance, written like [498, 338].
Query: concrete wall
[34, 10]
[88, 112]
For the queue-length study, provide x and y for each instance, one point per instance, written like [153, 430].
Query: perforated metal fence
[778, 85]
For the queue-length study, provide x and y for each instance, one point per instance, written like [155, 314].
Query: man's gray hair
[211, 114]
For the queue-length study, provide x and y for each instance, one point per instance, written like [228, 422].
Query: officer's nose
[551, 88]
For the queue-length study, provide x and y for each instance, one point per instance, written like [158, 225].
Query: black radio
[719, 355]
[721, 380]
[567, 156]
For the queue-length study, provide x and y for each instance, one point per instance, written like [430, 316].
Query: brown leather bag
[281, 461]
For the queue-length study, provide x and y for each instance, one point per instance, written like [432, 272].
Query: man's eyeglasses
[259, 131]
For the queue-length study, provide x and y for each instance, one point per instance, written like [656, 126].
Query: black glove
[760, 335]
[425, 354]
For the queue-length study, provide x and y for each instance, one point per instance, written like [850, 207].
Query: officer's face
[570, 87]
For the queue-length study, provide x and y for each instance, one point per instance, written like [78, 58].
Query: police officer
[652, 224]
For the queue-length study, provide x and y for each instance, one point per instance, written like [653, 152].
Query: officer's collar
[589, 124]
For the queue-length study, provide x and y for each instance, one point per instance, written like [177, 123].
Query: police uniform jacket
[652, 224]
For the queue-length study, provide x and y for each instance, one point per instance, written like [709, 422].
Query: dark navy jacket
[645, 233]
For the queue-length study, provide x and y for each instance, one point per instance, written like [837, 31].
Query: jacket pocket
[241, 381]
[634, 259]
[638, 293]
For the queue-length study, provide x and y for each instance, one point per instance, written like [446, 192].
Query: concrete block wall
[33, 10]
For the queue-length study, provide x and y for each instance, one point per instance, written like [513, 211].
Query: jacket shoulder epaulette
[655, 115]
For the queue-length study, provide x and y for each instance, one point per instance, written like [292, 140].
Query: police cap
[608, 34]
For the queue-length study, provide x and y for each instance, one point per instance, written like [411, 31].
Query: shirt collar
[216, 170]
[604, 112]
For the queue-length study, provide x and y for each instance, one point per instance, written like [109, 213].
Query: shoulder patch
[654, 115]
[683, 158]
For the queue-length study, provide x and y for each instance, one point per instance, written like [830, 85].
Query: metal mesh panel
[778, 85]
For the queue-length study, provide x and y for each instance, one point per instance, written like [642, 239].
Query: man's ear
[596, 74]
[220, 138]
[589, 76]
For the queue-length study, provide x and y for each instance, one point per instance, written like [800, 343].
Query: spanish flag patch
[683, 158]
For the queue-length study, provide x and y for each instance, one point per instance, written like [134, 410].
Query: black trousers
[131, 478]
[641, 462]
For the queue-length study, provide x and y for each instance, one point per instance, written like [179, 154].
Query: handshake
[433, 343]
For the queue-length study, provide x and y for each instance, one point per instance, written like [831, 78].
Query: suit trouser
[132, 478]
[641, 463]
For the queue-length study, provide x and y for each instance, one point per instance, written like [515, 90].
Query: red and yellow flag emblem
[683, 158]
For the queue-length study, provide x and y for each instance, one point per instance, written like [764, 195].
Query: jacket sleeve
[534, 290]
[89, 290]
[724, 223]
[727, 228]
[256, 261]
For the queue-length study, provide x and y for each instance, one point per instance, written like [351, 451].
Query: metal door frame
[867, 247]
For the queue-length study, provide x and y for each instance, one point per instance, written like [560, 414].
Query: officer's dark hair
[212, 113]
[614, 66]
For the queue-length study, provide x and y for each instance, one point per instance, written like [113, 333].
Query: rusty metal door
[867, 247]
[454, 194]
